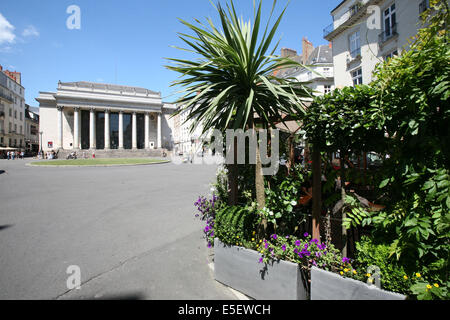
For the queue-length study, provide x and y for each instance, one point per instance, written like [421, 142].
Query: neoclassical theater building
[95, 116]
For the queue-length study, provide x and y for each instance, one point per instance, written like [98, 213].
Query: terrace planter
[327, 285]
[239, 269]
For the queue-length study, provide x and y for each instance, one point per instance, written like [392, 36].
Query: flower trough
[327, 285]
[237, 268]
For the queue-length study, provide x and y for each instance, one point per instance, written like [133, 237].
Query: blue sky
[124, 42]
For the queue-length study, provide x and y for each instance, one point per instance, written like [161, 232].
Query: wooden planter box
[327, 285]
[239, 269]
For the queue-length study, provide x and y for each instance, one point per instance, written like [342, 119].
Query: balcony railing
[329, 29]
[7, 97]
[387, 34]
[344, 18]
[355, 53]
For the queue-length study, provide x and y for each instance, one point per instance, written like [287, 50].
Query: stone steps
[114, 153]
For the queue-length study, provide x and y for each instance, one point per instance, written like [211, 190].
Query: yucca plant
[232, 84]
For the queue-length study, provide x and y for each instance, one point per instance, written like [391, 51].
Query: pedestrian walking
[7, 155]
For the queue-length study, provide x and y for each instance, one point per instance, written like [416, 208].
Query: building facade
[185, 141]
[366, 32]
[95, 116]
[31, 130]
[318, 73]
[12, 110]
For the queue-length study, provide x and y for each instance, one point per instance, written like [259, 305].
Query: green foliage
[392, 276]
[426, 291]
[414, 96]
[345, 120]
[221, 184]
[282, 199]
[405, 114]
[356, 213]
[235, 225]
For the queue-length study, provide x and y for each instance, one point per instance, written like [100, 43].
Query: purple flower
[260, 260]
[306, 234]
[314, 262]
[345, 260]
[306, 252]
[209, 245]
[266, 245]
[296, 251]
[287, 237]
[274, 237]
[212, 234]
[283, 247]
[318, 254]
[298, 243]
[300, 255]
[314, 241]
[306, 246]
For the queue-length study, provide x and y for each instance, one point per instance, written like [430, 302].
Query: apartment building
[12, 110]
[366, 32]
[31, 129]
[186, 142]
[319, 74]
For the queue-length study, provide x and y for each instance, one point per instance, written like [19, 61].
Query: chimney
[286, 52]
[330, 45]
[307, 49]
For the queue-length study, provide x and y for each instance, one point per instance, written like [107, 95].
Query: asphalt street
[130, 230]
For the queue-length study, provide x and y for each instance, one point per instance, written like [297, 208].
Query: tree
[231, 85]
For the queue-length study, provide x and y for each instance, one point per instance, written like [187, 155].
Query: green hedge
[235, 225]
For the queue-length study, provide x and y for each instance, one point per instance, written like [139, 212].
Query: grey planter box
[239, 269]
[327, 285]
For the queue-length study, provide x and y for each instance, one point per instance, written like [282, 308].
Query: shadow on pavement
[2, 171]
[6, 226]
[128, 296]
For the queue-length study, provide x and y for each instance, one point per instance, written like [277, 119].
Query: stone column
[60, 127]
[107, 138]
[92, 141]
[133, 132]
[120, 130]
[76, 128]
[159, 131]
[147, 127]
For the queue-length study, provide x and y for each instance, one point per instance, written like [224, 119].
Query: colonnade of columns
[107, 138]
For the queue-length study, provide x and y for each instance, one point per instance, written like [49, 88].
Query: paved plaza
[131, 230]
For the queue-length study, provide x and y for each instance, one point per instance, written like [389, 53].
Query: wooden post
[343, 196]
[317, 193]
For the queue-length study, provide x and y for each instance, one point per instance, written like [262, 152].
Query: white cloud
[30, 31]
[6, 49]
[6, 31]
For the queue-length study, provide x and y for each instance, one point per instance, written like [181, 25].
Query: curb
[30, 164]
